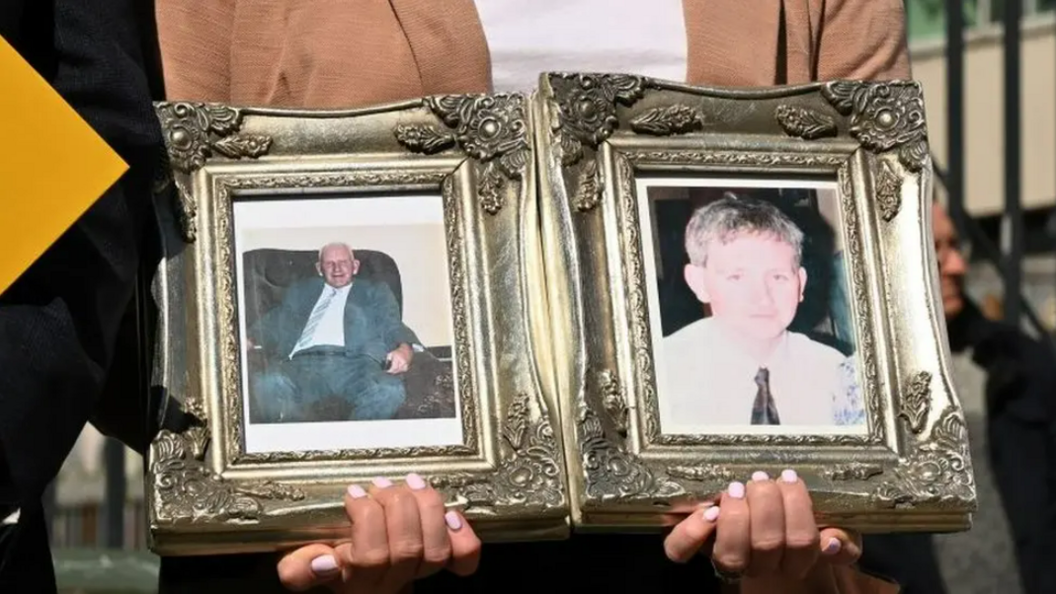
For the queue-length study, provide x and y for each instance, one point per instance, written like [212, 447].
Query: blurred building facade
[984, 132]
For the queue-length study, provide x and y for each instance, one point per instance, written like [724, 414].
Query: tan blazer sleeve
[195, 39]
[863, 40]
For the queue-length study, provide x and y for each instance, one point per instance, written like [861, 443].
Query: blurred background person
[1006, 381]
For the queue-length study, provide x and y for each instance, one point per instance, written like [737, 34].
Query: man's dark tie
[764, 412]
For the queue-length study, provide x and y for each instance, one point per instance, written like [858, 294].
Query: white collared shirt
[528, 37]
[706, 381]
[330, 330]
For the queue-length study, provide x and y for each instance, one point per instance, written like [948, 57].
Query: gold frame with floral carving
[204, 493]
[595, 134]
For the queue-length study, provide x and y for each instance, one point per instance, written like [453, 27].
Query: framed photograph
[350, 295]
[744, 280]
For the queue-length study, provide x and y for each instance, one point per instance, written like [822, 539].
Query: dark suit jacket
[372, 320]
[61, 322]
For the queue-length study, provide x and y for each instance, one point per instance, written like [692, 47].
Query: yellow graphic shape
[53, 166]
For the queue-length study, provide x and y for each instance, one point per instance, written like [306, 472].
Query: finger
[368, 555]
[840, 547]
[686, 539]
[307, 567]
[767, 525]
[733, 531]
[465, 546]
[404, 526]
[801, 531]
[436, 551]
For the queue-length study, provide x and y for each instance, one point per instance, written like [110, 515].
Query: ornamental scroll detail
[807, 124]
[193, 132]
[888, 191]
[585, 105]
[490, 128]
[884, 116]
[669, 120]
[530, 474]
[185, 491]
[917, 401]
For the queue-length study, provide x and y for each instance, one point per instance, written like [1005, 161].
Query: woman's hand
[399, 533]
[764, 531]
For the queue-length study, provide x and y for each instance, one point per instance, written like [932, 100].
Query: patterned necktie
[764, 412]
[315, 318]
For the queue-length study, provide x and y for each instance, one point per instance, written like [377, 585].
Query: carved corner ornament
[885, 116]
[938, 471]
[917, 401]
[804, 123]
[585, 108]
[192, 133]
[492, 129]
[609, 471]
[185, 491]
[529, 474]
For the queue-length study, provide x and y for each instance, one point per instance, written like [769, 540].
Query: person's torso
[707, 382]
[526, 37]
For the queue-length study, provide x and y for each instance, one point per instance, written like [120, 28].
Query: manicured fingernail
[453, 521]
[415, 482]
[760, 476]
[832, 547]
[382, 483]
[711, 514]
[355, 492]
[324, 565]
[789, 476]
[736, 490]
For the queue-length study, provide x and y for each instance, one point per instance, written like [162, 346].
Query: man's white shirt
[330, 330]
[705, 380]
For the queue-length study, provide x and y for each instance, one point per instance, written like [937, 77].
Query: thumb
[840, 547]
[307, 567]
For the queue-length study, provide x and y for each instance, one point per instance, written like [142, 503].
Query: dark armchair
[269, 272]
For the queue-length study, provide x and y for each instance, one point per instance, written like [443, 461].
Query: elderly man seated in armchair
[333, 335]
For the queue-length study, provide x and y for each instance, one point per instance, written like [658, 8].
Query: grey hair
[337, 244]
[732, 215]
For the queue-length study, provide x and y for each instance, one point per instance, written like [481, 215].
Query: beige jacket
[326, 54]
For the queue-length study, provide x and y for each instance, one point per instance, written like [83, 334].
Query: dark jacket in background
[1020, 391]
[1020, 395]
[72, 317]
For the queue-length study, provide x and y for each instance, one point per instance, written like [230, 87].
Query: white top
[529, 37]
[326, 323]
[707, 384]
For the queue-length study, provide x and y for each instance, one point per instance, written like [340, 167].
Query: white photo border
[367, 210]
[668, 425]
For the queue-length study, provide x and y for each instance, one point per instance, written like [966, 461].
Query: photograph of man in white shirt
[742, 366]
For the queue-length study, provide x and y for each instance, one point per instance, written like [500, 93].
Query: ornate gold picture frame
[429, 207]
[628, 168]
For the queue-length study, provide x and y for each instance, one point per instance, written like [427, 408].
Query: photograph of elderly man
[742, 365]
[332, 335]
